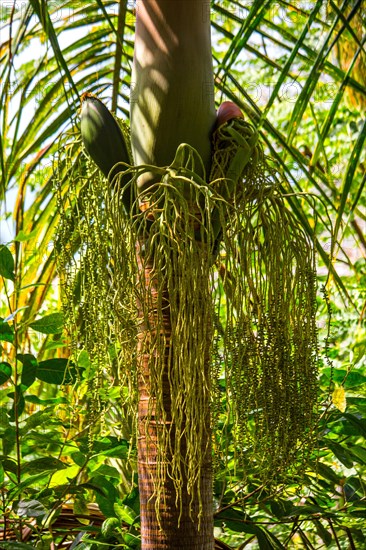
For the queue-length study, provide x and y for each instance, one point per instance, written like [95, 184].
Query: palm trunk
[173, 525]
[172, 102]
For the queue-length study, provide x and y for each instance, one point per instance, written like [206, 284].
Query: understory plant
[63, 474]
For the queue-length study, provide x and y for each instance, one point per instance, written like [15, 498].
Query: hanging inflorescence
[82, 248]
[184, 315]
[268, 337]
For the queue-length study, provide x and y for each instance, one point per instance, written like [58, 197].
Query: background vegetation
[298, 71]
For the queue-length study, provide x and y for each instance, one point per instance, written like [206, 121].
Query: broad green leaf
[132, 540]
[359, 452]
[348, 378]
[105, 505]
[358, 423]
[84, 360]
[45, 464]
[7, 264]
[49, 324]
[18, 403]
[233, 519]
[358, 403]
[280, 507]
[29, 369]
[273, 541]
[65, 476]
[111, 446]
[355, 490]
[4, 419]
[110, 525]
[5, 372]
[6, 332]
[49, 436]
[79, 458]
[31, 481]
[125, 513]
[110, 471]
[105, 494]
[55, 371]
[344, 426]
[9, 439]
[327, 473]
[263, 542]
[54, 344]
[341, 453]
[121, 451]
[108, 489]
[31, 508]
[9, 465]
[133, 500]
[323, 532]
[360, 349]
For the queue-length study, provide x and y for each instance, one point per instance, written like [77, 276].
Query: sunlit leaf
[64, 476]
[23, 237]
[125, 513]
[49, 324]
[339, 398]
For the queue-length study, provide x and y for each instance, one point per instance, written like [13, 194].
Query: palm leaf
[269, 40]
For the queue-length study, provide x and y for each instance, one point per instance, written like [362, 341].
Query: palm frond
[282, 63]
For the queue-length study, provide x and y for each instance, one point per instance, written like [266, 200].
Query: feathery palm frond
[281, 63]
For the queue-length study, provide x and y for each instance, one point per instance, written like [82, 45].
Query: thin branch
[305, 540]
[334, 533]
[350, 538]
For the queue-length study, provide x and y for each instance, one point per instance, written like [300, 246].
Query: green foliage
[295, 69]
[49, 324]
[324, 506]
[51, 459]
[6, 263]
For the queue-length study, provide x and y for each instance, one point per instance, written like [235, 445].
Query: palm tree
[171, 86]
[172, 103]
